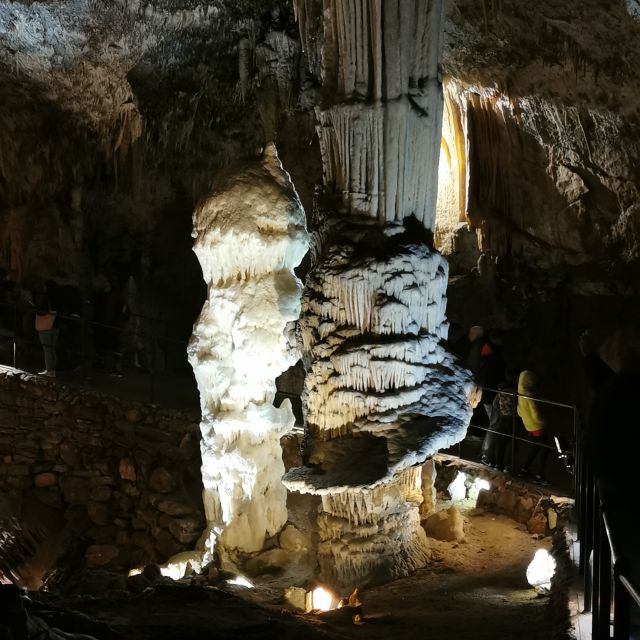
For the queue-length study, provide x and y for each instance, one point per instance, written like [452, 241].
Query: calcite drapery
[249, 236]
[381, 393]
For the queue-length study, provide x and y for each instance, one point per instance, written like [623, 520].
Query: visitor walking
[490, 374]
[109, 315]
[535, 429]
[500, 426]
[475, 347]
[46, 310]
[612, 416]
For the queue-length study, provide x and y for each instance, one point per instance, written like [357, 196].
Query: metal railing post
[604, 583]
[152, 390]
[513, 432]
[595, 580]
[621, 604]
[577, 466]
[15, 335]
[577, 484]
[165, 339]
[581, 477]
[588, 547]
[586, 544]
[83, 348]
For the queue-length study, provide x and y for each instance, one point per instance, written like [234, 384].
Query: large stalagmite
[382, 395]
[249, 236]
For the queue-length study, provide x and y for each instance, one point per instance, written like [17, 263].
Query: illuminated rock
[382, 395]
[249, 236]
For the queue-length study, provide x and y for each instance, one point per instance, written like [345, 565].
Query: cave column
[381, 394]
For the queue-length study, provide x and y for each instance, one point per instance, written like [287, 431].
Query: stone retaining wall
[536, 508]
[127, 476]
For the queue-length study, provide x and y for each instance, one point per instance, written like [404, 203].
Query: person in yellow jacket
[535, 426]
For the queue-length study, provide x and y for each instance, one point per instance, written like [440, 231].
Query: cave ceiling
[95, 87]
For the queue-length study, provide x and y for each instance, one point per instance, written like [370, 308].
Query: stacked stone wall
[124, 476]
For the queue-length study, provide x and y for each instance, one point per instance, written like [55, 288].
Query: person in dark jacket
[475, 342]
[70, 303]
[109, 317]
[495, 446]
[46, 307]
[491, 371]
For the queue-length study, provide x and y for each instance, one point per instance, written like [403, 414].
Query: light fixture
[458, 489]
[558, 447]
[541, 570]
[240, 581]
[477, 485]
[321, 599]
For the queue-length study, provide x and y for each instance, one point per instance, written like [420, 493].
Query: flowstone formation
[381, 393]
[249, 236]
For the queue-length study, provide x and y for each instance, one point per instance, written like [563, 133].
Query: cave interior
[270, 270]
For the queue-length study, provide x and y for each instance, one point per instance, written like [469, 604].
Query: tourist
[70, 309]
[613, 411]
[613, 416]
[108, 322]
[475, 346]
[46, 310]
[495, 451]
[535, 429]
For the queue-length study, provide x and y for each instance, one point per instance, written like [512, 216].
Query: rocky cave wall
[90, 478]
[541, 230]
[114, 116]
[550, 127]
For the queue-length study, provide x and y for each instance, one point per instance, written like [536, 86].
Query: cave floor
[476, 590]
[471, 590]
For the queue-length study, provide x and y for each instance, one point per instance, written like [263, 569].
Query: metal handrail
[508, 435]
[597, 534]
[85, 351]
[517, 394]
[607, 525]
[631, 590]
[615, 556]
[81, 318]
[514, 419]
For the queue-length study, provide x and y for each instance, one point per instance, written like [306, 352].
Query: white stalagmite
[382, 395]
[249, 236]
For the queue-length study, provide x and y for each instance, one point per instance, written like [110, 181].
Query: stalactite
[376, 158]
[379, 139]
[458, 121]
[128, 147]
[244, 67]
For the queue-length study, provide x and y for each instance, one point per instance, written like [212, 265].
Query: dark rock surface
[164, 611]
[90, 484]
